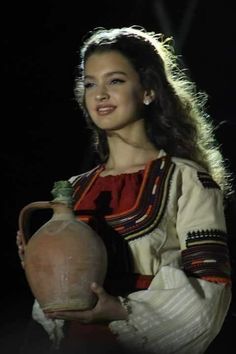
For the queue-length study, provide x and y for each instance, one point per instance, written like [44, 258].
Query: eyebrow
[107, 74]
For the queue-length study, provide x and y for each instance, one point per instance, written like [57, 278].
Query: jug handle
[24, 217]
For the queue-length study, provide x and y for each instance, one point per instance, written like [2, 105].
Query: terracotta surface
[62, 258]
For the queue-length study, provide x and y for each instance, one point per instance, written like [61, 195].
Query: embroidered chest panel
[150, 205]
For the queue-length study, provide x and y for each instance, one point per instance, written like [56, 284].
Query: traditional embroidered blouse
[119, 193]
[173, 223]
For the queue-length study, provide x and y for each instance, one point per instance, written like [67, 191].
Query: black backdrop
[43, 135]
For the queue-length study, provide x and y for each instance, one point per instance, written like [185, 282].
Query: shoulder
[85, 175]
[190, 172]
[186, 164]
[181, 164]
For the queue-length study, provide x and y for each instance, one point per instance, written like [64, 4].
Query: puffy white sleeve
[184, 307]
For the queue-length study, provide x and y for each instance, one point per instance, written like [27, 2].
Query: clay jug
[64, 256]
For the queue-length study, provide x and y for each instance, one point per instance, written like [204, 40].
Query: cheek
[87, 100]
[134, 101]
[88, 103]
[128, 96]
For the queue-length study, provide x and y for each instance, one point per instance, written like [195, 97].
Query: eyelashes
[115, 81]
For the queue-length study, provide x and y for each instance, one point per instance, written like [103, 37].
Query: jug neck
[62, 211]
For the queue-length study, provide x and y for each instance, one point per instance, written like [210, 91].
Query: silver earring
[147, 101]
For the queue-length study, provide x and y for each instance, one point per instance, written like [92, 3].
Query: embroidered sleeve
[201, 228]
[185, 306]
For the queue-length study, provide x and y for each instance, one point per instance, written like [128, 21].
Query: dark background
[43, 134]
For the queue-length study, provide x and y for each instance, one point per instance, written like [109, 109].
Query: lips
[106, 109]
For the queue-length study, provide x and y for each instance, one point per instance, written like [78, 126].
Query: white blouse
[179, 313]
[184, 307]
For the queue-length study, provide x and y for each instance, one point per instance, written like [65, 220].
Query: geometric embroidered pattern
[207, 256]
[205, 236]
[149, 207]
[206, 180]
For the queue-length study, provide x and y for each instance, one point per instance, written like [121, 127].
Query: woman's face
[113, 92]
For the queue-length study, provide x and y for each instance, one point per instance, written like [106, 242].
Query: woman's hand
[21, 251]
[108, 308]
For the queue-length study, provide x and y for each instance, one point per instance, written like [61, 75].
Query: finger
[81, 316]
[97, 289]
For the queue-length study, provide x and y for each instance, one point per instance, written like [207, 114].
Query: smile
[105, 110]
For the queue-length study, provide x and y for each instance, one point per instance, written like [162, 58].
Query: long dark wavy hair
[176, 120]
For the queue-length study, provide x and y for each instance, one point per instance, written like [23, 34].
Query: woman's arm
[186, 304]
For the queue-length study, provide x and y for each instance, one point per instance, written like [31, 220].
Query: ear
[148, 97]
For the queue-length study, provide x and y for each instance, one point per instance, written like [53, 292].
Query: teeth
[105, 109]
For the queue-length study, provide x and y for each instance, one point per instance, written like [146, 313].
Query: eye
[117, 81]
[88, 85]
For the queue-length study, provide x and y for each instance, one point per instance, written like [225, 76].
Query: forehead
[108, 61]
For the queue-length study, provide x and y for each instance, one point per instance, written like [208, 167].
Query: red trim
[143, 281]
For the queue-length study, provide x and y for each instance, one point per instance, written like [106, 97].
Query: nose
[102, 94]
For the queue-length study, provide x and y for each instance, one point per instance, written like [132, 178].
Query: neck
[129, 150]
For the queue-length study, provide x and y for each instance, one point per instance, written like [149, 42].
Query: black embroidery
[205, 236]
[207, 256]
[206, 180]
[146, 216]
[209, 261]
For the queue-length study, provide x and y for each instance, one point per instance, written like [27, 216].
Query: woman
[156, 198]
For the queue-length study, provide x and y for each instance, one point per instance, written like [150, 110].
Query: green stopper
[62, 192]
